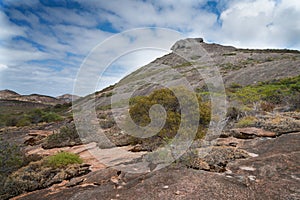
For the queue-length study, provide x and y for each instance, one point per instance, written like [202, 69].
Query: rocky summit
[245, 146]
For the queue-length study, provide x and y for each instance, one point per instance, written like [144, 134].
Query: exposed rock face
[250, 133]
[36, 137]
[272, 174]
[236, 66]
[182, 44]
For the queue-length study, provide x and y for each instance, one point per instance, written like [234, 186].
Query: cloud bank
[43, 42]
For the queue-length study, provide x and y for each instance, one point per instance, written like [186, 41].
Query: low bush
[274, 92]
[233, 113]
[42, 174]
[11, 157]
[247, 121]
[267, 106]
[107, 123]
[235, 85]
[67, 136]
[23, 121]
[38, 115]
[51, 117]
[62, 159]
[11, 121]
[186, 64]
[30, 116]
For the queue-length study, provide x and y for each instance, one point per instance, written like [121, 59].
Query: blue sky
[44, 42]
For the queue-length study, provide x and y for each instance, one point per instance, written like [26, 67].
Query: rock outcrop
[250, 133]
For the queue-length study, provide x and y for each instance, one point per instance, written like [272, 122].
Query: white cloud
[127, 64]
[261, 24]
[10, 56]
[126, 51]
[8, 29]
[65, 36]
[3, 67]
[59, 15]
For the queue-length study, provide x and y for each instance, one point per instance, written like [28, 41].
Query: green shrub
[107, 123]
[105, 107]
[35, 116]
[11, 121]
[235, 85]
[38, 115]
[102, 116]
[51, 117]
[11, 157]
[67, 136]
[275, 91]
[229, 54]
[294, 101]
[60, 109]
[233, 113]
[24, 121]
[247, 121]
[140, 106]
[267, 106]
[186, 64]
[62, 159]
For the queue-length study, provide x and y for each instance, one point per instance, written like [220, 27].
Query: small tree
[140, 106]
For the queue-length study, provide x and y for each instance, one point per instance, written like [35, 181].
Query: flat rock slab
[250, 133]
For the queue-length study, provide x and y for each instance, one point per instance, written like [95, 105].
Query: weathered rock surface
[280, 124]
[213, 158]
[250, 133]
[274, 173]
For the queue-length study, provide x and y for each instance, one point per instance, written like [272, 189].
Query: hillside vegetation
[24, 116]
[270, 93]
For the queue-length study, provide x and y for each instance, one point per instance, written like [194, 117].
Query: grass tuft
[62, 159]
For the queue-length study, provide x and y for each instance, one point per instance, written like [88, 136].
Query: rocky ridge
[11, 96]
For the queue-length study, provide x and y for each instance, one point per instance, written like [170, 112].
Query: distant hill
[68, 97]
[5, 94]
[9, 95]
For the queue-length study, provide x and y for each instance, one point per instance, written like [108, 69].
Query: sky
[43, 43]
